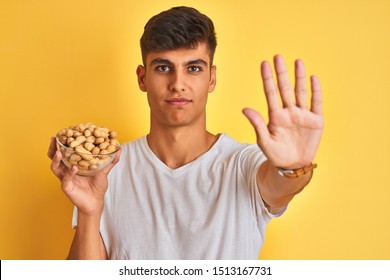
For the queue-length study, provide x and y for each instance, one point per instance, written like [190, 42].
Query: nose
[177, 83]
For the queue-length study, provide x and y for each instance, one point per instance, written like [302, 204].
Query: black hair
[176, 28]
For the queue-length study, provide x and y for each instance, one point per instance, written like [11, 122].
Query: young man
[181, 192]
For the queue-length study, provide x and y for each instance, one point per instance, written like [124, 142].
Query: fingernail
[74, 169]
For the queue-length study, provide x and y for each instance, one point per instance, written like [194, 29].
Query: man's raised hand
[292, 136]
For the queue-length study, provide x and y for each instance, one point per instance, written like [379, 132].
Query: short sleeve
[251, 159]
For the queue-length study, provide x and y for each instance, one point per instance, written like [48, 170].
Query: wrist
[93, 207]
[89, 218]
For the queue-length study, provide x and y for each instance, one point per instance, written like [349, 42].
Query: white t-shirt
[208, 209]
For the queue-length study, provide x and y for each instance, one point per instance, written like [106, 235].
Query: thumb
[108, 168]
[258, 124]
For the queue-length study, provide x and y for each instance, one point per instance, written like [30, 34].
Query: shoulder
[225, 141]
[130, 150]
[228, 144]
[133, 145]
[241, 153]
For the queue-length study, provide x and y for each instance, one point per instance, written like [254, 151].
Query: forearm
[276, 190]
[87, 243]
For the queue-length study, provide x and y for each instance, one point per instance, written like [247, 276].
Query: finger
[271, 93]
[300, 84]
[258, 124]
[108, 168]
[316, 98]
[284, 84]
[67, 179]
[56, 164]
[52, 148]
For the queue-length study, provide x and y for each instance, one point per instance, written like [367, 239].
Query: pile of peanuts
[89, 145]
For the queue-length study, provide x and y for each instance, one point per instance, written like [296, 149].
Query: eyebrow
[168, 62]
[197, 62]
[160, 61]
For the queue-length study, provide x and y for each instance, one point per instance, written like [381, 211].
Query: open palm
[292, 136]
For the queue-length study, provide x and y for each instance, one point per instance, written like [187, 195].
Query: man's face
[177, 83]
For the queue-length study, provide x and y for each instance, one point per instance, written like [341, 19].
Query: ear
[141, 75]
[213, 78]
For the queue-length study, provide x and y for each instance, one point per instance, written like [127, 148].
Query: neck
[179, 146]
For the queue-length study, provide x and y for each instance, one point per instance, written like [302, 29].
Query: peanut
[98, 133]
[99, 140]
[104, 145]
[91, 139]
[69, 140]
[111, 148]
[113, 134]
[68, 153]
[76, 133]
[87, 133]
[94, 161]
[84, 153]
[114, 142]
[62, 139]
[79, 140]
[62, 132]
[94, 166]
[74, 159]
[95, 151]
[81, 127]
[88, 145]
[83, 163]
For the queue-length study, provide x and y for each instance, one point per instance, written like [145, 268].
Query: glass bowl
[87, 162]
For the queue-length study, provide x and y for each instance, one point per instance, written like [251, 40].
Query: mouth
[178, 101]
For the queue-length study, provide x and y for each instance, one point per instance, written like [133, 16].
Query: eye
[163, 68]
[195, 68]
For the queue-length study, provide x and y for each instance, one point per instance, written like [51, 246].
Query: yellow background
[67, 62]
